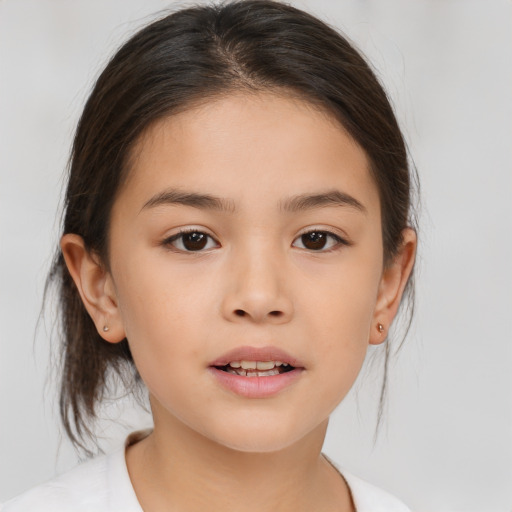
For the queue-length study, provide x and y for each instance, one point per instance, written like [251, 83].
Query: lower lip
[256, 387]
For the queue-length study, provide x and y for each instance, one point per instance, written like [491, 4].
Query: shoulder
[99, 485]
[368, 498]
[82, 489]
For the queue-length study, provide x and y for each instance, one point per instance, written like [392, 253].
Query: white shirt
[103, 485]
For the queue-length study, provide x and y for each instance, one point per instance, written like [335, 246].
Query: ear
[95, 286]
[391, 288]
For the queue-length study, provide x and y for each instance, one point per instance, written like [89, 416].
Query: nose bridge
[258, 282]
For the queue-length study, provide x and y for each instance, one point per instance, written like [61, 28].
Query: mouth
[257, 372]
[250, 361]
[256, 368]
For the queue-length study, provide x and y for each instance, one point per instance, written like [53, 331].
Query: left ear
[392, 285]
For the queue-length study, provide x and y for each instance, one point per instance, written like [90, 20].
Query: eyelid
[336, 233]
[341, 240]
[167, 241]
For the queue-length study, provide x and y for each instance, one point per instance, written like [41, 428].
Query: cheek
[344, 295]
[156, 309]
[166, 310]
[341, 316]
[154, 294]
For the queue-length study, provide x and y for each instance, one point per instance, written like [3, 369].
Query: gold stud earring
[380, 328]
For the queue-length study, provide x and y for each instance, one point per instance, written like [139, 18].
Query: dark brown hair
[186, 57]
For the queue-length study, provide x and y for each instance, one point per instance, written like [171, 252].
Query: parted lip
[247, 353]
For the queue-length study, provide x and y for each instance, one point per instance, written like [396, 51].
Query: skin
[255, 283]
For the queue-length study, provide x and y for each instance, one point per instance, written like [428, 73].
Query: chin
[258, 438]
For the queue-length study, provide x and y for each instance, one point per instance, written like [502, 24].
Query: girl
[236, 233]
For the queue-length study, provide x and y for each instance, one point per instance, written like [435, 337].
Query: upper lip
[247, 353]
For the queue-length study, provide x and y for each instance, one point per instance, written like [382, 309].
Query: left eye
[191, 241]
[319, 240]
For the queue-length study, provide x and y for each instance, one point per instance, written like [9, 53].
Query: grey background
[446, 444]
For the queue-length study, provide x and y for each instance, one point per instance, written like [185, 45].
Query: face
[248, 232]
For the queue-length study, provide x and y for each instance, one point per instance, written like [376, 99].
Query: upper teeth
[256, 365]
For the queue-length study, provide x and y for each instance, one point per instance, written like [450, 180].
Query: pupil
[194, 241]
[314, 240]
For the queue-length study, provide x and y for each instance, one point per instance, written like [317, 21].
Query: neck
[176, 468]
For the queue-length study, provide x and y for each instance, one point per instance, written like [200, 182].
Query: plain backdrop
[446, 444]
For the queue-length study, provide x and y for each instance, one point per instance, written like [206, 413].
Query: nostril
[241, 312]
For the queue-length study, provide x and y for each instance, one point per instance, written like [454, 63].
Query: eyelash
[339, 241]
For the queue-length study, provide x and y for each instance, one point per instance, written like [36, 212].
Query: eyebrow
[329, 198]
[201, 201]
[293, 204]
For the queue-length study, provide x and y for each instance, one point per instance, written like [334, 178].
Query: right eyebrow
[194, 199]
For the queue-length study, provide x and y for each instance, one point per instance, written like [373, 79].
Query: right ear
[95, 286]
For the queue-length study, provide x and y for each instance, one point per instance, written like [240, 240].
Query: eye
[318, 240]
[191, 241]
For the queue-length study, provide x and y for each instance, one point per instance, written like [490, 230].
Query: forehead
[244, 145]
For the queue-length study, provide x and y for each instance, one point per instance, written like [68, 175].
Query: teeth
[252, 373]
[265, 365]
[268, 373]
[256, 365]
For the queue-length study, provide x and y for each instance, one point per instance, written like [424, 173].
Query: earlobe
[95, 287]
[392, 285]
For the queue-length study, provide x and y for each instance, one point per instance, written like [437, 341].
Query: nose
[256, 290]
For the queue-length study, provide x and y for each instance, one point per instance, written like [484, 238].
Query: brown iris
[315, 240]
[194, 241]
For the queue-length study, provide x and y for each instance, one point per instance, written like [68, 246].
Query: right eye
[191, 241]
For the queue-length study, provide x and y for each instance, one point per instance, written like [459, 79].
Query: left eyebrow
[330, 198]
